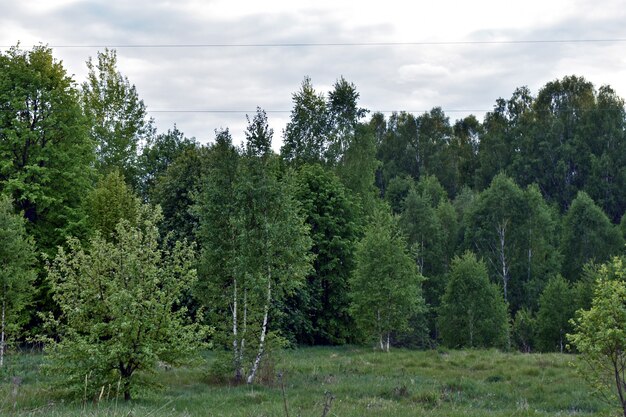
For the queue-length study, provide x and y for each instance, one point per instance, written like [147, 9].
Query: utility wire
[289, 111]
[337, 44]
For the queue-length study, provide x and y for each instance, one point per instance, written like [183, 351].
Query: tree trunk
[501, 229]
[380, 330]
[126, 373]
[387, 343]
[618, 383]
[236, 360]
[244, 332]
[259, 355]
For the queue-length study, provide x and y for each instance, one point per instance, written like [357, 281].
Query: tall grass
[344, 381]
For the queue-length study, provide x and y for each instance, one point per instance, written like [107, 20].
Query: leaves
[118, 301]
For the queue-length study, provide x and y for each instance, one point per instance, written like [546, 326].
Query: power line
[289, 111]
[335, 44]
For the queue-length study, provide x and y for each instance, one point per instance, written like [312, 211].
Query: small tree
[473, 312]
[556, 308]
[523, 330]
[386, 285]
[17, 258]
[117, 301]
[600, 333]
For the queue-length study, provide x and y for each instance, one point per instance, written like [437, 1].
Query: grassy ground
[362, 382]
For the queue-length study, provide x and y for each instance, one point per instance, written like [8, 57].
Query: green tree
[117, 117]
[515, 231]
[473, 312]
[273, 240]
[607, 176]
[306, 135]
[217, 209]
[177, 189]
[357, 169]
[45, 153]
[157, 155]
[111, 201]
[331, 216]
[118, 307]
[265, 252]
[463, 152]
[523, 330]
[396, 148]
[397, 191]
[17, 273]
[556, 308]
[344, 115]
[386, 285]
[588, 235]
[600, 333]
[559, 155]
[494, 230]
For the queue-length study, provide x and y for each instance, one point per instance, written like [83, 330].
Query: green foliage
[319, 312]
[118, 307]
[306, 134]
[45, 153]
[472, 312]
[262, 251]
[514, 230]
[176, 191]
[556, 308]
[217, 210]
[588, 235]
[158, 153]
[117, 117]
[386, 285]
[600, 333]
[320, 129]
[17, 273]
[357, 169]
[523, 330]
[111, 201]
[397, 191]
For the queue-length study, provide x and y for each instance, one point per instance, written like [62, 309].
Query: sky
[465, 54]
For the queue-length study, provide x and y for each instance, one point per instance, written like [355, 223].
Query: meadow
[334, 381]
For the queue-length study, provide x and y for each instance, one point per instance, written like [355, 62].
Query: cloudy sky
[464, 54]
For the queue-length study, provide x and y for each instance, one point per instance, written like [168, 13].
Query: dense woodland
[136, 246]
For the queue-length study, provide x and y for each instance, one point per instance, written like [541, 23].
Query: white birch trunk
[380, 331]
[501, 229]
[259, 355]
[244, 331]
[4, 304]
[236, 358]
[387, 344]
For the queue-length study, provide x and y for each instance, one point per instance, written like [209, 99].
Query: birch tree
[272, 238]
[473, 312]
[255, 244]
[386, 284]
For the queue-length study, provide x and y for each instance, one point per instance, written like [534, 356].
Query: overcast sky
[390, 77]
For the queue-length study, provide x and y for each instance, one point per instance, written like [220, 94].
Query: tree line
[123, 247]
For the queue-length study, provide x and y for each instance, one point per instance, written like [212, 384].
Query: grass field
[361, 382]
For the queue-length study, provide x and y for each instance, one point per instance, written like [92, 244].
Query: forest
[124, 248]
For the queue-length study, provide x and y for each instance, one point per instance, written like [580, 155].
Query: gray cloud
[455, 77]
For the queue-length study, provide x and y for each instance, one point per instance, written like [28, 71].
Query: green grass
[362, 382]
